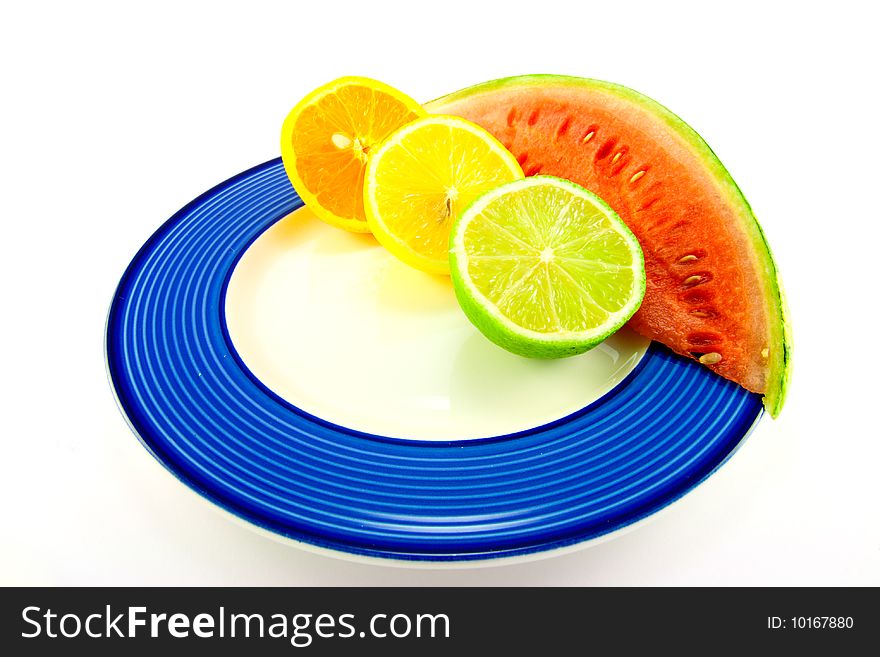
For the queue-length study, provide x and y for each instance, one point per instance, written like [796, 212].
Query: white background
[113, 118]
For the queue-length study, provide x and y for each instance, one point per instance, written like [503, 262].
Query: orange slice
[326, 138]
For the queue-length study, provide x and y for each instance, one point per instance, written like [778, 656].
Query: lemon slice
[327, 137]
[422, 176]
[545, 268]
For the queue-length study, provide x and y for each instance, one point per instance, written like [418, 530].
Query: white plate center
[337, 326]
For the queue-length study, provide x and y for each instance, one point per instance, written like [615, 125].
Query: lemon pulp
[420, 179]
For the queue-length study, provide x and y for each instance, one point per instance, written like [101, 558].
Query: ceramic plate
[303, 379]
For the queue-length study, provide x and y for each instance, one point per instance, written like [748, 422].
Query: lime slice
[545, 268]
[422, 176]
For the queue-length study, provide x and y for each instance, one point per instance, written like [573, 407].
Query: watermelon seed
[606, 148]
[647, 204]
[511, 116]
[703, 338]
[637, 175]
[691, 281]
[710, 358]
[588, 137]
[765, 353]
[702, 313]
[617, 167]
[563, 127]
[697, 297]
[688, 258]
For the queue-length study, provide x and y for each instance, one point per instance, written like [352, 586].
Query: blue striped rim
[206, 417]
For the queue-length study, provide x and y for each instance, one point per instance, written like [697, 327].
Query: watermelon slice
[713, 293]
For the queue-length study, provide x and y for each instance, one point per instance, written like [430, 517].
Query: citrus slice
[422, 176]
[545, 268]
[326, 138]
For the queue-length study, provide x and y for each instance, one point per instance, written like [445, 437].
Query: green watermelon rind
[780, 367]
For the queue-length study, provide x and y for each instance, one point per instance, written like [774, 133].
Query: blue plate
[199, 410]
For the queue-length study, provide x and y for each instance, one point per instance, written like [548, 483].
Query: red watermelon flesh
[712, 290]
